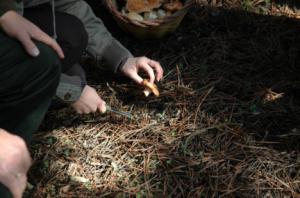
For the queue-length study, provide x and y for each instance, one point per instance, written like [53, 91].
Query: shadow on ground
[233, 81]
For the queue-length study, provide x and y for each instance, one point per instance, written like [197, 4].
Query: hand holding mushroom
[152, 68]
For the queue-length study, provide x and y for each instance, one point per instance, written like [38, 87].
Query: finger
[28, 44]
[28, 160]
[135, 77]
[102, 106]
[79, 112]
[92, 108]
[148, 70]
[45, 38]
[158, 69]
[87, 111]
[18, 186]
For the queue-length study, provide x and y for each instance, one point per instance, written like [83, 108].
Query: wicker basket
[149, 29]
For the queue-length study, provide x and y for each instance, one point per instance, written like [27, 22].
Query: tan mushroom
[173, 6]
[150, 88]
[139, 6]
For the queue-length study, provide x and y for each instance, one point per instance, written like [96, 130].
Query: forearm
[101, 44]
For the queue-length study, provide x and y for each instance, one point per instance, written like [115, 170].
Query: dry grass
[226, 123]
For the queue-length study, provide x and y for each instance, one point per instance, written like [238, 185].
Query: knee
[48, 57]
[48, 62]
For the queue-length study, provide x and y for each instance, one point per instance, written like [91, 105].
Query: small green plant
[267, 2]
[173, 133]
[88, 185]
[169, 161]
[46, 164]
[138, 195]
[247, 5]
[66, 152]
[51, 140]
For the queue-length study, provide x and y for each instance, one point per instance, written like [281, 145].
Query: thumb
[17, 193]
[18, 186]
[102, 107]
[29, 46]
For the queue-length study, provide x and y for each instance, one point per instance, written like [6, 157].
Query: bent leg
[27, 86]
[72, 38]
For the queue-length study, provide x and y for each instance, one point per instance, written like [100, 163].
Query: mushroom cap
[150, 87]
[173, 6]
[139, 6]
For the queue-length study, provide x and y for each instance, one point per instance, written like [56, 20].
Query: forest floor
[227, 122]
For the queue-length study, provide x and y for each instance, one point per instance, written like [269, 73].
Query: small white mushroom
[147, 91]
[123, 11]
[135, 16]
[150, 15]
[79, 179]
[161, 13]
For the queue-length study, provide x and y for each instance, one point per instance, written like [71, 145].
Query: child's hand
[133, 65]
[89, 102]
[15, 161]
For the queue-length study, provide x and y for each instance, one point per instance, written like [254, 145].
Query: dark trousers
[27, 88]
[27, 84]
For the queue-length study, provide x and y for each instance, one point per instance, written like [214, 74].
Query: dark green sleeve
[6, 5]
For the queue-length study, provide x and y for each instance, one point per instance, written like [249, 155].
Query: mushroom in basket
[141, 10]
[139, 6]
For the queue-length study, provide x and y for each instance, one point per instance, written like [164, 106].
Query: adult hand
[133, 65]
[15, 161]
[16, 26]
[89, 102]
